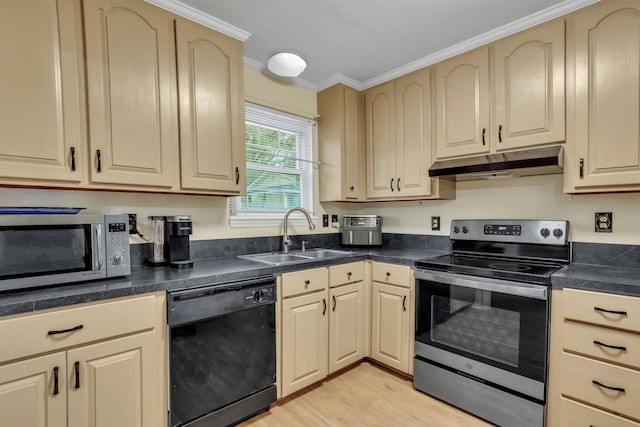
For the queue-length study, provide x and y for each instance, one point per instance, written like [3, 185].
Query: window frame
[306, 156]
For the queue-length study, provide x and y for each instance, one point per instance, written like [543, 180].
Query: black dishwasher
[222, 352]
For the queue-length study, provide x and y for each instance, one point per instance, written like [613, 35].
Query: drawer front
[616, 311]
[392, 274]
[599, 342]
[305, 281]
[578, 415]
[577, 381]
[97, 321]
[346, 273]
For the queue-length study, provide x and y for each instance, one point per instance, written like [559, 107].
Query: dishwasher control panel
[261, 295]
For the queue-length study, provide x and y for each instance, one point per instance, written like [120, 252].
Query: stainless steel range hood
[512, 164]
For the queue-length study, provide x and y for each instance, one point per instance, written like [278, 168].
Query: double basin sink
[280, 258]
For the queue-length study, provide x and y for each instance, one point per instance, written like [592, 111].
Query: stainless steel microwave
[43, 250]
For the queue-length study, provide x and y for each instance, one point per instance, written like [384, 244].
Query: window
[281, 164]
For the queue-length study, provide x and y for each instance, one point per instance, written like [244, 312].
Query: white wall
[519, 198]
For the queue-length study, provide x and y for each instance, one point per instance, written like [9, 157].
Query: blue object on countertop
[35, 211]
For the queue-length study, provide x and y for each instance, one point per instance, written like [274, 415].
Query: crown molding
[202, 18]
[340, 78]
[548, 14]
[481, 40]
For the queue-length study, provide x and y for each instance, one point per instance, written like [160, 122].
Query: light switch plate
[435, 223]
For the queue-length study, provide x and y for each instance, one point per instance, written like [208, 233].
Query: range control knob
[456, 229]
[465, 230]
[117, 259]
[545, 232]
[557, 232]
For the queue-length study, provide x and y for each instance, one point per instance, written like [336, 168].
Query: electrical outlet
[604, 222]
[133, 224]
[325, 220]
[435, 223]
[334, 219]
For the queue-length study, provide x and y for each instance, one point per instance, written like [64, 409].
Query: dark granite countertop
[145, 279]
[600, 278]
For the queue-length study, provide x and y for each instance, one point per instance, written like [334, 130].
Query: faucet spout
[286, 241]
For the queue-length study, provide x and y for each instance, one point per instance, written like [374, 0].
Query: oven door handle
[507, 287]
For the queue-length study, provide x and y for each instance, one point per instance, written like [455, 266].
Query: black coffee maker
[176, 241]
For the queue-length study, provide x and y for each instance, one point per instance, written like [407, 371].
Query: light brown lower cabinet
[594, 360]
[323, 327]
[96, 376]
[392, 315]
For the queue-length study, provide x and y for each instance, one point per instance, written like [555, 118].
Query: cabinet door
[210, 82]
[305, 329]
[28, 393]
[354, 153]
[529, 88]
[116, 383]
[390, 332]
[607, 94]
[346, 325]
[380, 140]
[462, 105]
[413, 134]
[40, 120]
[130, 53]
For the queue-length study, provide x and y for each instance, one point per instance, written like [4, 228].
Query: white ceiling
[365, 42]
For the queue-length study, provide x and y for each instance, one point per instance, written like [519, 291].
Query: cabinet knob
[388, 274]
[307, 283]
[352, 188]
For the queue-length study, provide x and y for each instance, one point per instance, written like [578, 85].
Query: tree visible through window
[279, 162]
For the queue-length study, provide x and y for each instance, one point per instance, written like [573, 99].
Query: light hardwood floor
[366, 395]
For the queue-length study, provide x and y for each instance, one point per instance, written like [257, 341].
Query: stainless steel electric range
[482, 318]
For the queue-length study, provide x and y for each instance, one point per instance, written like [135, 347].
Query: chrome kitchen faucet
[286, 241]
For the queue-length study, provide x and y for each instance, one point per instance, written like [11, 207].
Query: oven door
[493, 330]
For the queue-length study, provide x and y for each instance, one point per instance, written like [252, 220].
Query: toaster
[362, 230]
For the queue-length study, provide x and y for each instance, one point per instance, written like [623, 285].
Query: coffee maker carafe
[177, 229]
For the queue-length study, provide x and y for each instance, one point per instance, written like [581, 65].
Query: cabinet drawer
[597, 307]
[596, 341]
[305, 281]
[579, 415]
[98, 321]
[392, 274]
[346, 273]
[577, 381]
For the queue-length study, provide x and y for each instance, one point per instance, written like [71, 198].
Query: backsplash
[606, 254]
[218, 248]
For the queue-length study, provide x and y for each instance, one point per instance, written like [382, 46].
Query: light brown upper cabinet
[529, 88]
[40, 81]
[341, 144]
[508, 96]
[603, 124]
[462, 105]
[131, 83]
[398, 140]
[210, 88]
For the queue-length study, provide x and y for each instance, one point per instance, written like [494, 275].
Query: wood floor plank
[366, 395]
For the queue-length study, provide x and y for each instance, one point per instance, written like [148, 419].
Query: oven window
[39, 250]
[467, 321]
[502, 330]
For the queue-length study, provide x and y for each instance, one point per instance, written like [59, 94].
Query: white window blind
[281, 164]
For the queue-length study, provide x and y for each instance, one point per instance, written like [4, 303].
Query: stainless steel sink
[325, 253]
[280, 258]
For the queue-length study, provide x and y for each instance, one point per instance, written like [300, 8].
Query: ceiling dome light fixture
[286, 64]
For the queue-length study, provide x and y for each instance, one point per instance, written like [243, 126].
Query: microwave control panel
[117, 241]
